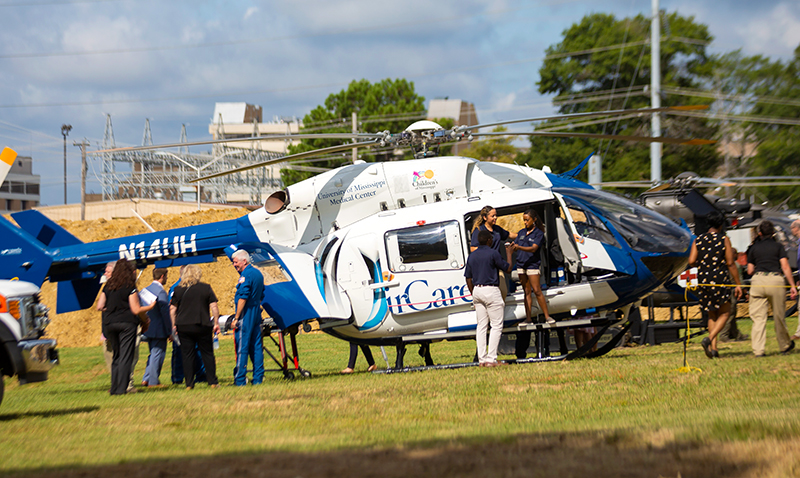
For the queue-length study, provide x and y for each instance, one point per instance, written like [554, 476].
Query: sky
[168, 61]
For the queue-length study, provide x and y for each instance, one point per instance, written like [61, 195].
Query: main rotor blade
[249, 138]
[588, 115]
[307, 154]
[624, 184]
[643, 139]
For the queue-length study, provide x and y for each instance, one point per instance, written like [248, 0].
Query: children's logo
[423, 179]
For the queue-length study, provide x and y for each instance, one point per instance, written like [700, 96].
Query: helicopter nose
[665, 268]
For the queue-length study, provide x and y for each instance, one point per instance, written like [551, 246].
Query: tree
[498, 149]
[589, 70]
[388, 105]
[764, 94]
[778, 150]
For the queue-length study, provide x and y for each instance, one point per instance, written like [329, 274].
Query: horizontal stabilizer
[76, 294]
[44, 229]
[21, 255]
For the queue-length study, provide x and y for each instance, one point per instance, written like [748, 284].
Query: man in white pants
[483, 280]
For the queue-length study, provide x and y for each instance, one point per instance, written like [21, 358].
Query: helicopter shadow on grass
[592, 453]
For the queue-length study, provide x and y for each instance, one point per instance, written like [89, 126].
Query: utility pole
[355, 130]
[655, 91]
[83, 145]
[65, 129]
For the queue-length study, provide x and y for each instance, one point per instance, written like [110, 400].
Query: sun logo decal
[421, 177]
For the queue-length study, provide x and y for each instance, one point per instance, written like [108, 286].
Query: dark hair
[716, 220]
[766, 229]
[537, 221]
[484, 237]
[122, 277]
[159, 272]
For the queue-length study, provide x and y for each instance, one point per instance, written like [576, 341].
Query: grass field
[629, 413]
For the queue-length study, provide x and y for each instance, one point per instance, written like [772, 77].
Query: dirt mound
[82, 328]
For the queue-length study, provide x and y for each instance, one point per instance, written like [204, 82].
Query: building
[461, 112]
[20, 191]
[242, 120]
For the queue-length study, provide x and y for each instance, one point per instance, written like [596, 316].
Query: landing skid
[583, 352]
[283, 362]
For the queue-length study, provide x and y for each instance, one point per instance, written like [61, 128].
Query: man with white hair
[247, 320]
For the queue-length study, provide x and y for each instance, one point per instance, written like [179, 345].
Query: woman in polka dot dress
[713, 255]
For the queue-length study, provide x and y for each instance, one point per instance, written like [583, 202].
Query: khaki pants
[768, 287]
[489, 309]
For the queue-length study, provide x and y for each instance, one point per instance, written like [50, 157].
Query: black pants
[351, 363]
[203, 337]
[121, 338]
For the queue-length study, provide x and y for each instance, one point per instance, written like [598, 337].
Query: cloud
[776, 33]
[250, 12]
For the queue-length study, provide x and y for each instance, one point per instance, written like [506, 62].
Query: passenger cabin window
[425, 248]
[588, 224]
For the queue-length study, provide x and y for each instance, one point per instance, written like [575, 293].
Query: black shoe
[706, 343]
[789, 348]
[715, 353]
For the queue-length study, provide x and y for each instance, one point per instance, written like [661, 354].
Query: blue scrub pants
[249, 344]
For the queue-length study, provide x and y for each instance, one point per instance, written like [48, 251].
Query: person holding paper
[160, 326]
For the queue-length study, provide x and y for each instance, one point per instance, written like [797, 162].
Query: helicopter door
[358, 268]
[572, 259]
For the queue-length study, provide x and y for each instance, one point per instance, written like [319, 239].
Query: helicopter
[375, 252]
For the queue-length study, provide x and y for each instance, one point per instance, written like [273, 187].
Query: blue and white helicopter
[376, 251]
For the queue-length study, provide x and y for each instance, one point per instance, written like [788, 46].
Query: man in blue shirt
[483, 279]
[247, 320]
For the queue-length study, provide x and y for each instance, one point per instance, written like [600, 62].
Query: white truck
[23, 350]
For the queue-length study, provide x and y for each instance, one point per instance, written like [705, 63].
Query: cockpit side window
[588, 224]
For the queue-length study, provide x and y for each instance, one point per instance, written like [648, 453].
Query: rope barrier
[686, 368]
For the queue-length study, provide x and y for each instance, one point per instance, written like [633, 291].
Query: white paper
[146, 297]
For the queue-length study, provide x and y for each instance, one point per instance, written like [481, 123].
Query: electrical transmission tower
[167, 175]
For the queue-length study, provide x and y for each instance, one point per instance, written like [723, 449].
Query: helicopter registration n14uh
[376, 251]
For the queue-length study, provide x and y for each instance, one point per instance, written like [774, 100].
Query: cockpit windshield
[644, 230]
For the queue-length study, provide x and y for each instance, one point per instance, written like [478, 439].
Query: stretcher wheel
[288, 375]
[305, 373]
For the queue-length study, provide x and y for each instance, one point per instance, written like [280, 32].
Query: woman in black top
[768, 265]
[120, 304]
[189, 309]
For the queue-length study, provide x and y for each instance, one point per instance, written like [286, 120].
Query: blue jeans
[158, 352]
